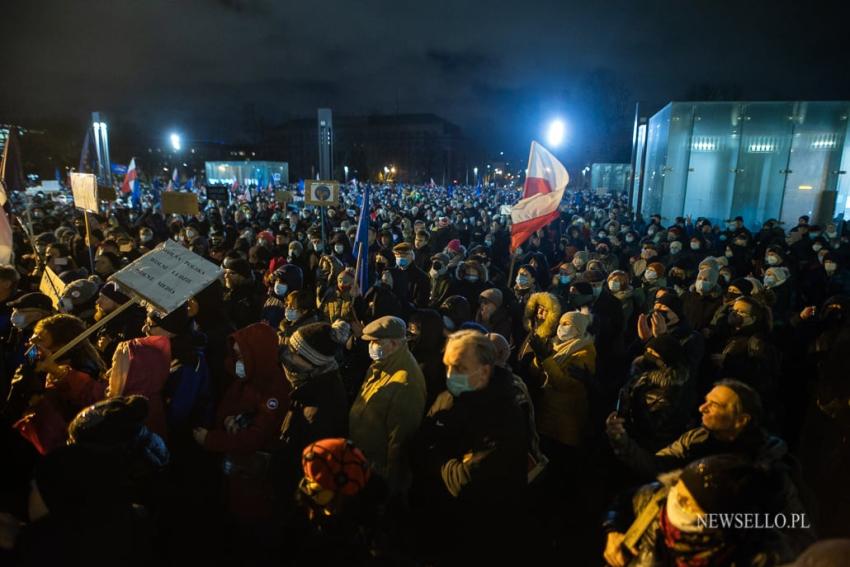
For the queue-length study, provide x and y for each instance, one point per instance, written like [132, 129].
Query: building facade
[759, 160]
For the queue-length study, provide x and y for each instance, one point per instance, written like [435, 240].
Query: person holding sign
[47, 394]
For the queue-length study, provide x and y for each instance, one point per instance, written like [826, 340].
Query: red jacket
[45, 424]
[262, 399]
[150, 363]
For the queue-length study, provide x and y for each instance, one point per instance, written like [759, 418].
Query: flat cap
[402, 248]
[386, 327]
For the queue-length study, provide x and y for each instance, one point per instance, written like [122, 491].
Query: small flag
[130, 179]
[172, 183]
[235, 187]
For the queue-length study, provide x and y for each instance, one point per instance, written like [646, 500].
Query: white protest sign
[51, 286]
[167, 276]
[84, 189]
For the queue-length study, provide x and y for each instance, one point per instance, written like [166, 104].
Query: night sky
[499, 69]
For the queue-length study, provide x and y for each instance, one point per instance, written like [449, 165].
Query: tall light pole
[345, 169]
[475, 175]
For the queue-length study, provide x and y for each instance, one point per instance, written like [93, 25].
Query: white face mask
[830, 267]
[772, 259]
[614, 285]
[291, 315]
[650, 275]
[376, 351]
[339, 248]
[18, 320]
[239, 369]
[280, 289]
[567, 332]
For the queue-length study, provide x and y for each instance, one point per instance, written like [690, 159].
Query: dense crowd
[589, 396]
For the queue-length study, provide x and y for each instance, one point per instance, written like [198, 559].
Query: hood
[460, 271]
[431, 337]
[549, 326]
[150, 357]
[258, 344]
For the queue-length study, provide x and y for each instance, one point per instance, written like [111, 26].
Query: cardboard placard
[321, 193]
[176, 203]
[106, 194]
[84, 190]
[283, 196]
[218, 193]
[167, 276]
[51, 286]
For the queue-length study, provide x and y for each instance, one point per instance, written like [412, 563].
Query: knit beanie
[177, 322]
[291, 275]
[780, 273]
[110, 290]
[722, 483]
[577, 320]
[336, 465]
[503, 349]
[315, 342]
[80, 292]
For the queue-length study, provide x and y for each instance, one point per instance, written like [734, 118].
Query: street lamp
[555, 133]
[175, 141]
[345, 169]
[475, 174]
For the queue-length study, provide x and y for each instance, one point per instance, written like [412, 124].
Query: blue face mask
[402, 262]
[565, 280]
[458, 383]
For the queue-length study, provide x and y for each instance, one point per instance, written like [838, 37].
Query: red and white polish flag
[545, 183]
[130, 178]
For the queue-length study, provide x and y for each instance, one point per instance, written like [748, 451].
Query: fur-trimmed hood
[549, 326]
[460, 270]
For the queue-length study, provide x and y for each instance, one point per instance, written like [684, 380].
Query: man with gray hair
[473, 450]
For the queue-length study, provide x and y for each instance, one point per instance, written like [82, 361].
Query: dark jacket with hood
[428, 351]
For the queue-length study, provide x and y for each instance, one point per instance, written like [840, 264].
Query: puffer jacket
[386, 414]
[562, 409]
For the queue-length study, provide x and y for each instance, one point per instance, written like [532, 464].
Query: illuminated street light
[175, 141]
[555, 133]
[345, 169]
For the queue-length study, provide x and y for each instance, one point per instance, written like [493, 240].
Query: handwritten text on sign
[167, 276]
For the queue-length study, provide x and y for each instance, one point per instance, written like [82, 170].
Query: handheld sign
[51, 286]
[284, 197]
[321, 193]
[217, 193]
[179, 203]
[167, 276]
[84, 190]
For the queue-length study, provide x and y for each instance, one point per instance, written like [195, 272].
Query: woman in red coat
[248, 420]
[141, 367]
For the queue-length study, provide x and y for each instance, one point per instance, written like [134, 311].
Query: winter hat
[669, 349]
[267, 236]
[577, 320]
[315, 342]
[741, 286]
[722, 483]
[709, 274]
[492, 295]
[239, 265]
[594, 276]
[109, 423]
[779, 273]
[34, 300]
[672, 302]
[291, 275]
[582, 256]
[336, 465]
[79, 293]
[455, 311]
[110, 290]
[709, 262]
[503, 349]
[454, 246]
[177, 322]
[296, 246]
[581, 294]
[473, 326]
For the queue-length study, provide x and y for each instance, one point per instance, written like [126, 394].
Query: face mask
[376, 351]
[522, 282]
[280, 289]
[402, 262]
[458, 383]
[630, 239]
[317, 246]
[291, 315]
[817, 247]
[566, 332]
[650, 275]
[146, 237]
[18, 320]
[597, 290]
[564, 279]
[675, 248]
[434, 273]
[694, 245]
[472, 278]
[703, 286]
[614, 285]
[293, 253]
[769, 281]
[737, 320]
[239, 369]
[339, 248]
[772, 259]
[830, 267]
[681, 519]
[729, 254]
[488, 243]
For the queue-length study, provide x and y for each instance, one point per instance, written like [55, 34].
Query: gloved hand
[539, 346]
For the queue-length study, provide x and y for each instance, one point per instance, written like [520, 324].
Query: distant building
[610, 177]
[419, 146]
[760, 160]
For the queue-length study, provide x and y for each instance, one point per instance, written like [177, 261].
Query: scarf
[569, 347]
[694, 549]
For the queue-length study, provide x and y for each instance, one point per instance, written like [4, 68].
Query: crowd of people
[590, 396]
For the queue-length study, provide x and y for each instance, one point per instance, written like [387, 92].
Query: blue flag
[361, 243]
